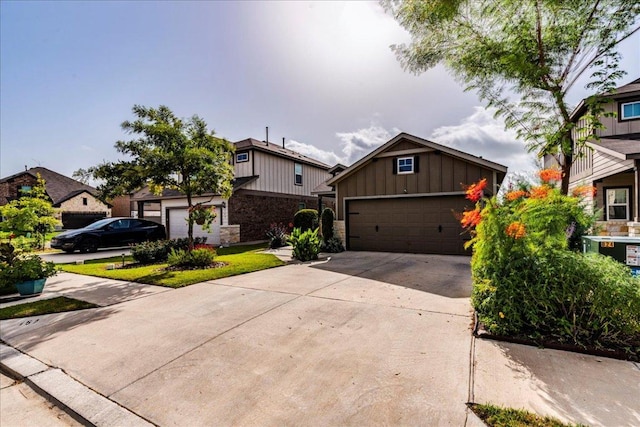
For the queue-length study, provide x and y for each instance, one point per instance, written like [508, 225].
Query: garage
[178, 226]
[408, 224]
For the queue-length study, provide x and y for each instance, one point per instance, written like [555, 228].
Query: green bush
[306, 219]
[327, 218]
[306, 244]
[528, 282]
[277, 234]
[158, 251]
[332, 245]
[197, 258]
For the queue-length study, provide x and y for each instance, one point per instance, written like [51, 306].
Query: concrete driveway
[306, 344]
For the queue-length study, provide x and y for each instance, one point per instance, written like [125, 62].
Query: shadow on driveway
[445, 275]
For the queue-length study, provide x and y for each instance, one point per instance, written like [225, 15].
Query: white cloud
[328, 157]
[361, 142]
[483, 135]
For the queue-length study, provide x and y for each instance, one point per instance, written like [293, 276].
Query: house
[611, 163]
[77, 202]
[271, 184]
[407, 195]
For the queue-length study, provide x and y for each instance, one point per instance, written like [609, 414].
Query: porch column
[636, 190]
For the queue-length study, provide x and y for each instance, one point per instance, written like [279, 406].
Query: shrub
[332, 245]
[327, 218]
[197, 258]
[277, 234]
[151, 252]
[528, 282]
[306, 244]
[306, 219]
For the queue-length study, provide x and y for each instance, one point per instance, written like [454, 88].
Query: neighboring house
[611, 163]
[77, 202]
[407, 196]
[271, 184]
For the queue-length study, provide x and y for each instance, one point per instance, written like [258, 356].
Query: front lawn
[238, 260]
[495, 416]
[46, 306]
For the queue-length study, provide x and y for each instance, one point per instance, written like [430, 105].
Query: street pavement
[334, 342]
[64, 258]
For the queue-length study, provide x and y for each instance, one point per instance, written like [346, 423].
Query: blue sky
[319, 74]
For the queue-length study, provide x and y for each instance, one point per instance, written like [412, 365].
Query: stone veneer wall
[255, 211]
[229, 234]
[340, 231]
[634, 229]
[612, 228]
[9, 189]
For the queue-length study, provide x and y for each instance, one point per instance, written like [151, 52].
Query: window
[24, 189]
[630, 110]
[405, 165]
[242, 157]
[297, 173]
[85, 202]
[617, 201]
[302, 205]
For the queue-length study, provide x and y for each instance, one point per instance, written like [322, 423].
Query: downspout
[637, 190]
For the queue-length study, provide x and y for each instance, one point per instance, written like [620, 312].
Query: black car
[108, 232]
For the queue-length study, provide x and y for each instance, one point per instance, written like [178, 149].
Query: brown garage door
[412, 225]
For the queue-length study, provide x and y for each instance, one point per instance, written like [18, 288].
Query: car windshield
[99, 224]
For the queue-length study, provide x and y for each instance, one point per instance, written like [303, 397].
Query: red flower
[476, 191]
[471, 218]
[516, 230]
[584, 191]
[516, 194]
[548, 175]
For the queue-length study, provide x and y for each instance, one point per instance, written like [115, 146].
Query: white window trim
[295, 174]
[246, 159]
[627, 205]
[622, 116]
[413, 165]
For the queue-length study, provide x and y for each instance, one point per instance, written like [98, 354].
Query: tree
[82, 175]
[169, 153]
[31, 213]
[522, 57]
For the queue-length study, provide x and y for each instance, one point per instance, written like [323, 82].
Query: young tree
[169, 153]
[31, 213]
[522, 57]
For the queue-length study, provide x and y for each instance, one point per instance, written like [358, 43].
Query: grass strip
[238, 260]
[46, 306]
[495, 416]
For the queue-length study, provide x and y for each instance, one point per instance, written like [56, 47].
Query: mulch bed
[480, 332]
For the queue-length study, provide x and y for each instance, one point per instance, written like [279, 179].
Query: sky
[319, 74]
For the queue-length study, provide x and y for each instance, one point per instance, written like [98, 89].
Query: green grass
[495, 416]
[47, 306]
[239, 260]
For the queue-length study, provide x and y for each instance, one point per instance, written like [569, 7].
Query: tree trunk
[190, 222]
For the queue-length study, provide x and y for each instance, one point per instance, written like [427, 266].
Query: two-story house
[76, 202]
[611, 163]
[271, 184]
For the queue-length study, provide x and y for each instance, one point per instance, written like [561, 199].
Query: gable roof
[420, 141]
[58, 187]
[623, 149]
[277, 150]
[629, 89]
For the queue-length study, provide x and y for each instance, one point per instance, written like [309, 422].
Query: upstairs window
[297, 171]
[24, 190]
[630, 110]
[242, 157]
[405, 165]
[85, 201]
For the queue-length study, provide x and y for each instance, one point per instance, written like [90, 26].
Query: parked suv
[109, 232]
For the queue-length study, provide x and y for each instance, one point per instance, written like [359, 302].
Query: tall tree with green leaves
[522, 57]
[31, 213]
[171, 153]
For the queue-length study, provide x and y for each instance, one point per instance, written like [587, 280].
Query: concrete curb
[82, 403]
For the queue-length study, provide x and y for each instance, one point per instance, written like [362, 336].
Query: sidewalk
[269, 347]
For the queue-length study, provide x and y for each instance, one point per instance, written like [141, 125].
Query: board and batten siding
[438, 173]
[613, 126]
[276, 175]
[242, 169]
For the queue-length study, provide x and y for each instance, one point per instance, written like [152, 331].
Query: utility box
[621, 248]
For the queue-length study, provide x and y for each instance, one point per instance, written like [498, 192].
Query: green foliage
[46, 306]
[32, 213]
[495, 416]
[158, 251]
[332, 245]
[170, 153]
[277, 234]
[523, 57]
[327, 218]
[306, 244]
[196, 258]
[527, 281]
[306, 219]
[16, 268]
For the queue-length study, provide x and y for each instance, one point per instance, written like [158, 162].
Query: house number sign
[607, 244]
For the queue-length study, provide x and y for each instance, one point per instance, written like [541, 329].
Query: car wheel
[89, 245]
[69, 251]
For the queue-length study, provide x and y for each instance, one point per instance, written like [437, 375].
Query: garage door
[412, 225]
[178, 227]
